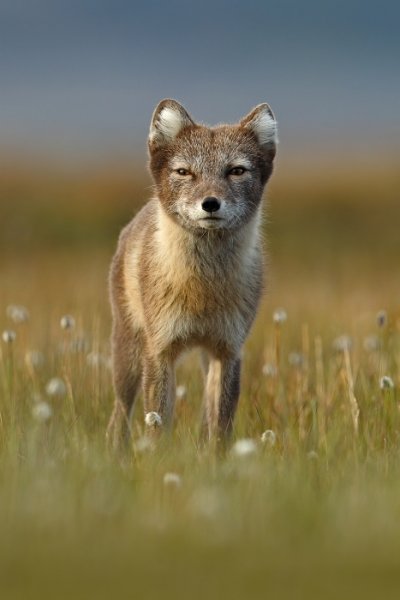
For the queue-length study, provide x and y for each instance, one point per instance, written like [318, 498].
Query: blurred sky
[80, 79]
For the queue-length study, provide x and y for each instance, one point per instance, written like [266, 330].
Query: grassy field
[312, 511]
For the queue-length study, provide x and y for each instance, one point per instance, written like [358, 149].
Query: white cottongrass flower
[153, 419]
[56, 387]
[17, 313]
[381, 318]
[42, 412]
[296, 359]
[371, 343]
[67, 322]
[312, 455]
[244, 447]
[143, 444]
[8, 336]
[386, 383]
[342, 343]
[270, 370]
[279, 316]
[34, 359]
[181, 392]
[268, 438]
[96, 359]
[172, 480]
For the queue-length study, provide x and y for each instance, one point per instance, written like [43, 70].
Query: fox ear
[262, 123]
[169, 118]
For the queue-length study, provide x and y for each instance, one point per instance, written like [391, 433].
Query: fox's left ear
[168, 120]
[262, 123]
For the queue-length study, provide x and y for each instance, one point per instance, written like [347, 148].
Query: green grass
[317, 514]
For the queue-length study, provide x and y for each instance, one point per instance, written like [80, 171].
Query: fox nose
[210, 204]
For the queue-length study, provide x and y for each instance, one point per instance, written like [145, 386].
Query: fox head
[211, 177]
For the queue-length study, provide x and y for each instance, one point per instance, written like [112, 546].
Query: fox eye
[182, 172]
[237, 171]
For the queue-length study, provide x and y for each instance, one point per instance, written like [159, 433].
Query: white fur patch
[168, 124]
[265, 128]
[241, 161]
[179, 163]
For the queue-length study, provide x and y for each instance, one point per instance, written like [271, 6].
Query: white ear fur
[265, 129]
[262, 122]
[168, 120]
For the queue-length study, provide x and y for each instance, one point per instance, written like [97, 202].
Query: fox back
[188, 269]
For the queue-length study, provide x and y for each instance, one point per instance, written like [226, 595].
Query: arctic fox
[188, 269]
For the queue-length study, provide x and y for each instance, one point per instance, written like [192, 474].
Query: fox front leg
[222, 395]
[159, 388]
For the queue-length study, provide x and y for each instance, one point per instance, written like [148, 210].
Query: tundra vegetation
[307, 499]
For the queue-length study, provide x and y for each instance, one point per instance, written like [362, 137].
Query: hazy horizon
[81, 79]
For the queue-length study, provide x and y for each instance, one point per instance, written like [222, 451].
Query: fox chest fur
[187, 290]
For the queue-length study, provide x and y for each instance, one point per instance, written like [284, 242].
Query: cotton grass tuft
[153, 419]
[244, 447]
[67, 322]
[172, 480]
[268, 438]
[279, 316]
[17, 313]
[56, 387]
[42, 412]
[386, 383]
[8, 336]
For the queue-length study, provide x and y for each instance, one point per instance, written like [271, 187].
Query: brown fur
[179, 280]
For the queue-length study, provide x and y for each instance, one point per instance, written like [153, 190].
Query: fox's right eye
[237, 171]
[182, 172]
